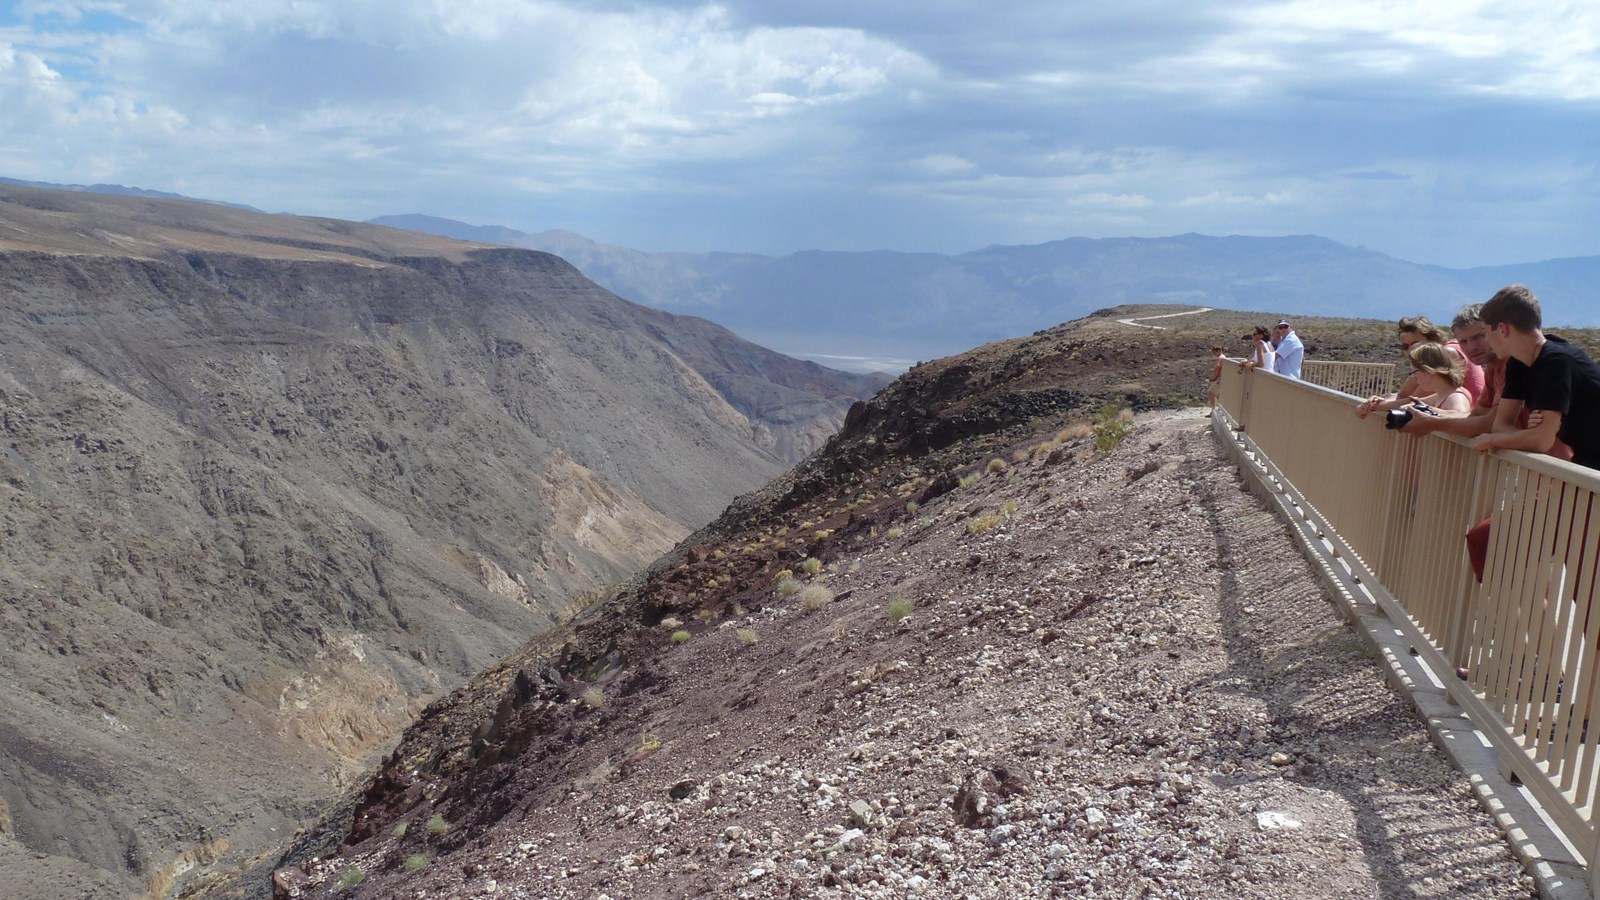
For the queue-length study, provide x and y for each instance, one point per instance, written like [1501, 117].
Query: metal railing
[1356, 378]
[1526, 641]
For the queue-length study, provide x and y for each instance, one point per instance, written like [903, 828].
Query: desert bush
[995, 465]
[1111, 426]
[679, 636]
[416, 862]
[969, 480]
[1074, 432]
[822, 533]
[912, 506]
[894, 532]
[899, 608]
[1010, 507]
[400, 830]
[671, 623]
[748, 636]
[854, 567]
[595, 698]
[788, 587]
[351, 877]
[649, 743]
[981, 523]
[781, 575]
[711, 584]
[1019, 455]
[811, 565]
[814, 597]
[437, 826]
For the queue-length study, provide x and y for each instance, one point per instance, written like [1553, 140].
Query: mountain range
[885, 309]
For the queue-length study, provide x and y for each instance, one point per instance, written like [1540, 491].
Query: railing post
[1464, 605]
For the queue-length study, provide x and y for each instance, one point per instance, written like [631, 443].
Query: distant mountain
[118, 190]
[886, 305]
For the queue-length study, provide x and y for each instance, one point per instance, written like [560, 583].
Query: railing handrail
[1542, 463]
[1396, 509]
[1345, 362]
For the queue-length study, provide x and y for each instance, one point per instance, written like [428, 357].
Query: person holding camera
[1436, 387]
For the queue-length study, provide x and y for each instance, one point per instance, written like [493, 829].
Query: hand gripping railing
[1527, 639]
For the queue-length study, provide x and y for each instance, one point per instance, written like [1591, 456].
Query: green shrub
[969, 480]
[351, 877]
[437, 826]
[1111, 426]
[1010, 507]
[894, 532]
[416, 861]
[911, 507]
[781, 575]
[788, 587]
[680, 636]
[899, 608]
[811, 565]
[995, 465]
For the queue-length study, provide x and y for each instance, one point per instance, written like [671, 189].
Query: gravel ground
[1129, 685]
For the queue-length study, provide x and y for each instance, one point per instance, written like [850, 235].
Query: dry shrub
[814, 597]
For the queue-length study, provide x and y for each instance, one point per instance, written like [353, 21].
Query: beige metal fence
[1395, 508]
[1357, 378]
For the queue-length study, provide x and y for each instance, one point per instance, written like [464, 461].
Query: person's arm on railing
[1477, 422]
[1537, 438]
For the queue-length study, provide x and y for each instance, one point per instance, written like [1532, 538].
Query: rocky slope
[269, 484]
[1029, 647]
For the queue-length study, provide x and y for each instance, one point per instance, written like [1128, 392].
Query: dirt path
[1138, 321]
[1126, 683]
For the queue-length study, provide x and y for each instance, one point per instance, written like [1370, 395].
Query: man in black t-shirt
[1557, 382]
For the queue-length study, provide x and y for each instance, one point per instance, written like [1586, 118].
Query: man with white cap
[1288, 352]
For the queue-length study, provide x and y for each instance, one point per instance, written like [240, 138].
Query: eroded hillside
[268, 484]
[990, 642]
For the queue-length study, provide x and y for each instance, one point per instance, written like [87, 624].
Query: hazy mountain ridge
[121, 190]
[924, 305]
[267, 484]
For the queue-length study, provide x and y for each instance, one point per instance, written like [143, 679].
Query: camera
[1397, 418]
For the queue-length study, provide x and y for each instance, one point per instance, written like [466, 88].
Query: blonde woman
[1436, 380]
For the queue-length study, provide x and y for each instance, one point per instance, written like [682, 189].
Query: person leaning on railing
[1436, 384]
[1413, 331]
[1551, 377]
[1491, 413]
[1260, 351]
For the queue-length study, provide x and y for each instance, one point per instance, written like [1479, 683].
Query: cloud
[783, 124]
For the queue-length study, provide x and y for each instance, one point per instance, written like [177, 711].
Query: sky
[1457, 133]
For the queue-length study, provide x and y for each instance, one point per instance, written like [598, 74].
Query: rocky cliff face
[269, 484]
[993, 640]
